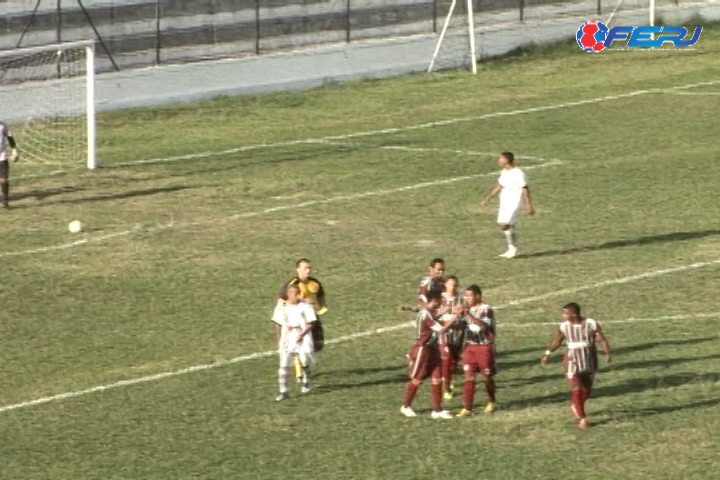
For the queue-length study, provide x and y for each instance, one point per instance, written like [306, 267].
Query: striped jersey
[474, 335]
[428, 284]
[456, 334]
[581, 354]
[427, 328]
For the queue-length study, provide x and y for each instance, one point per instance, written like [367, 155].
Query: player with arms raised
[425, 355]
[514, 192]
[6, 140]
[294, 320]
[479, 354]
[580, 363]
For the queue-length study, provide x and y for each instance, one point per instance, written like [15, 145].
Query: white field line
[266, 211]
[408, 128]
[404, 148]
[385, 131]
[377, 331]
[694, 93]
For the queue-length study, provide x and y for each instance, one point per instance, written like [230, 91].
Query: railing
[156, 32]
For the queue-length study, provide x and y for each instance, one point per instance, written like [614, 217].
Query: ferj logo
[594, 36]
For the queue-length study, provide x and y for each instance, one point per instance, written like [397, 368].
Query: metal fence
[153, 32]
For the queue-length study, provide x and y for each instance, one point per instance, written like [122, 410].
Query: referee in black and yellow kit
[311, 290]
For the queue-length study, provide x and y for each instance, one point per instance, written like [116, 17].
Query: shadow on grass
[43, 194]
[636, 385]
[659, 410]
[130, 194]
[506, 364]
[399, 378]
[662, 238]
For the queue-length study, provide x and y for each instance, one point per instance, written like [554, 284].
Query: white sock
[282, 379]
[508, 236]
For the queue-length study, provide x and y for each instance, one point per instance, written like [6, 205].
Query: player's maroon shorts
[479, 359]
[424, 362]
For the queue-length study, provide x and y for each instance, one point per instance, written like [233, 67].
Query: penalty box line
[379, 331]
[384, 131]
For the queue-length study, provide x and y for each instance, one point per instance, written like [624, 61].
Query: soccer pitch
[142, 347]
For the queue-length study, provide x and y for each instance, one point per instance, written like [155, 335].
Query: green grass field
[182, 259]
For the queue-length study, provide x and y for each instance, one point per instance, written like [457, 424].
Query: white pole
[471, 28]
[90, 72]
[652, 13]
[442, 35]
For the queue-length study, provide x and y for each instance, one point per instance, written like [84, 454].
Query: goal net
[47, 100]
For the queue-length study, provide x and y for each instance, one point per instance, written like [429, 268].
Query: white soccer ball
[75, 226]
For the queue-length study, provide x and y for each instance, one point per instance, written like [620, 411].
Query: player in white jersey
[294, 320]
[580, 362]
[6, 140]
[514, 192]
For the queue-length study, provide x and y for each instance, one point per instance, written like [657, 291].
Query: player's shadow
[641, 364]
[505, 363]
[43, 194]
[370, 370]
[661, 238]
[130, 194]
[399, 378]
[663, 362]
[659, 410]
[634, 385]
[669, 342]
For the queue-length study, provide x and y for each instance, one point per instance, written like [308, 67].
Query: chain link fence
[138, 33]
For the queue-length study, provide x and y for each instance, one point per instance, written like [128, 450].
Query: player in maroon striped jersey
[433, 281]
[479, 354]
[580, 335]
[451, 342]
[425, 356]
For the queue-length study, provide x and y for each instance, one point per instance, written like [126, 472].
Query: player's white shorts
[289, 347]
[508, 216]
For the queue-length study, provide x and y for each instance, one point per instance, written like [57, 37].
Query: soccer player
[514, 191]
[312, 291]
[479, 354]
[433, 281]
[6, 140]
[451, 342]
[294, 321]
[425, 357]
[580, 361]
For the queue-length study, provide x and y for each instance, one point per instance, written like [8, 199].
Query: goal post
[47, 97]
[442, 39]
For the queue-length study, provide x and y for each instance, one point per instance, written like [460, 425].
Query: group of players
[455, 328]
